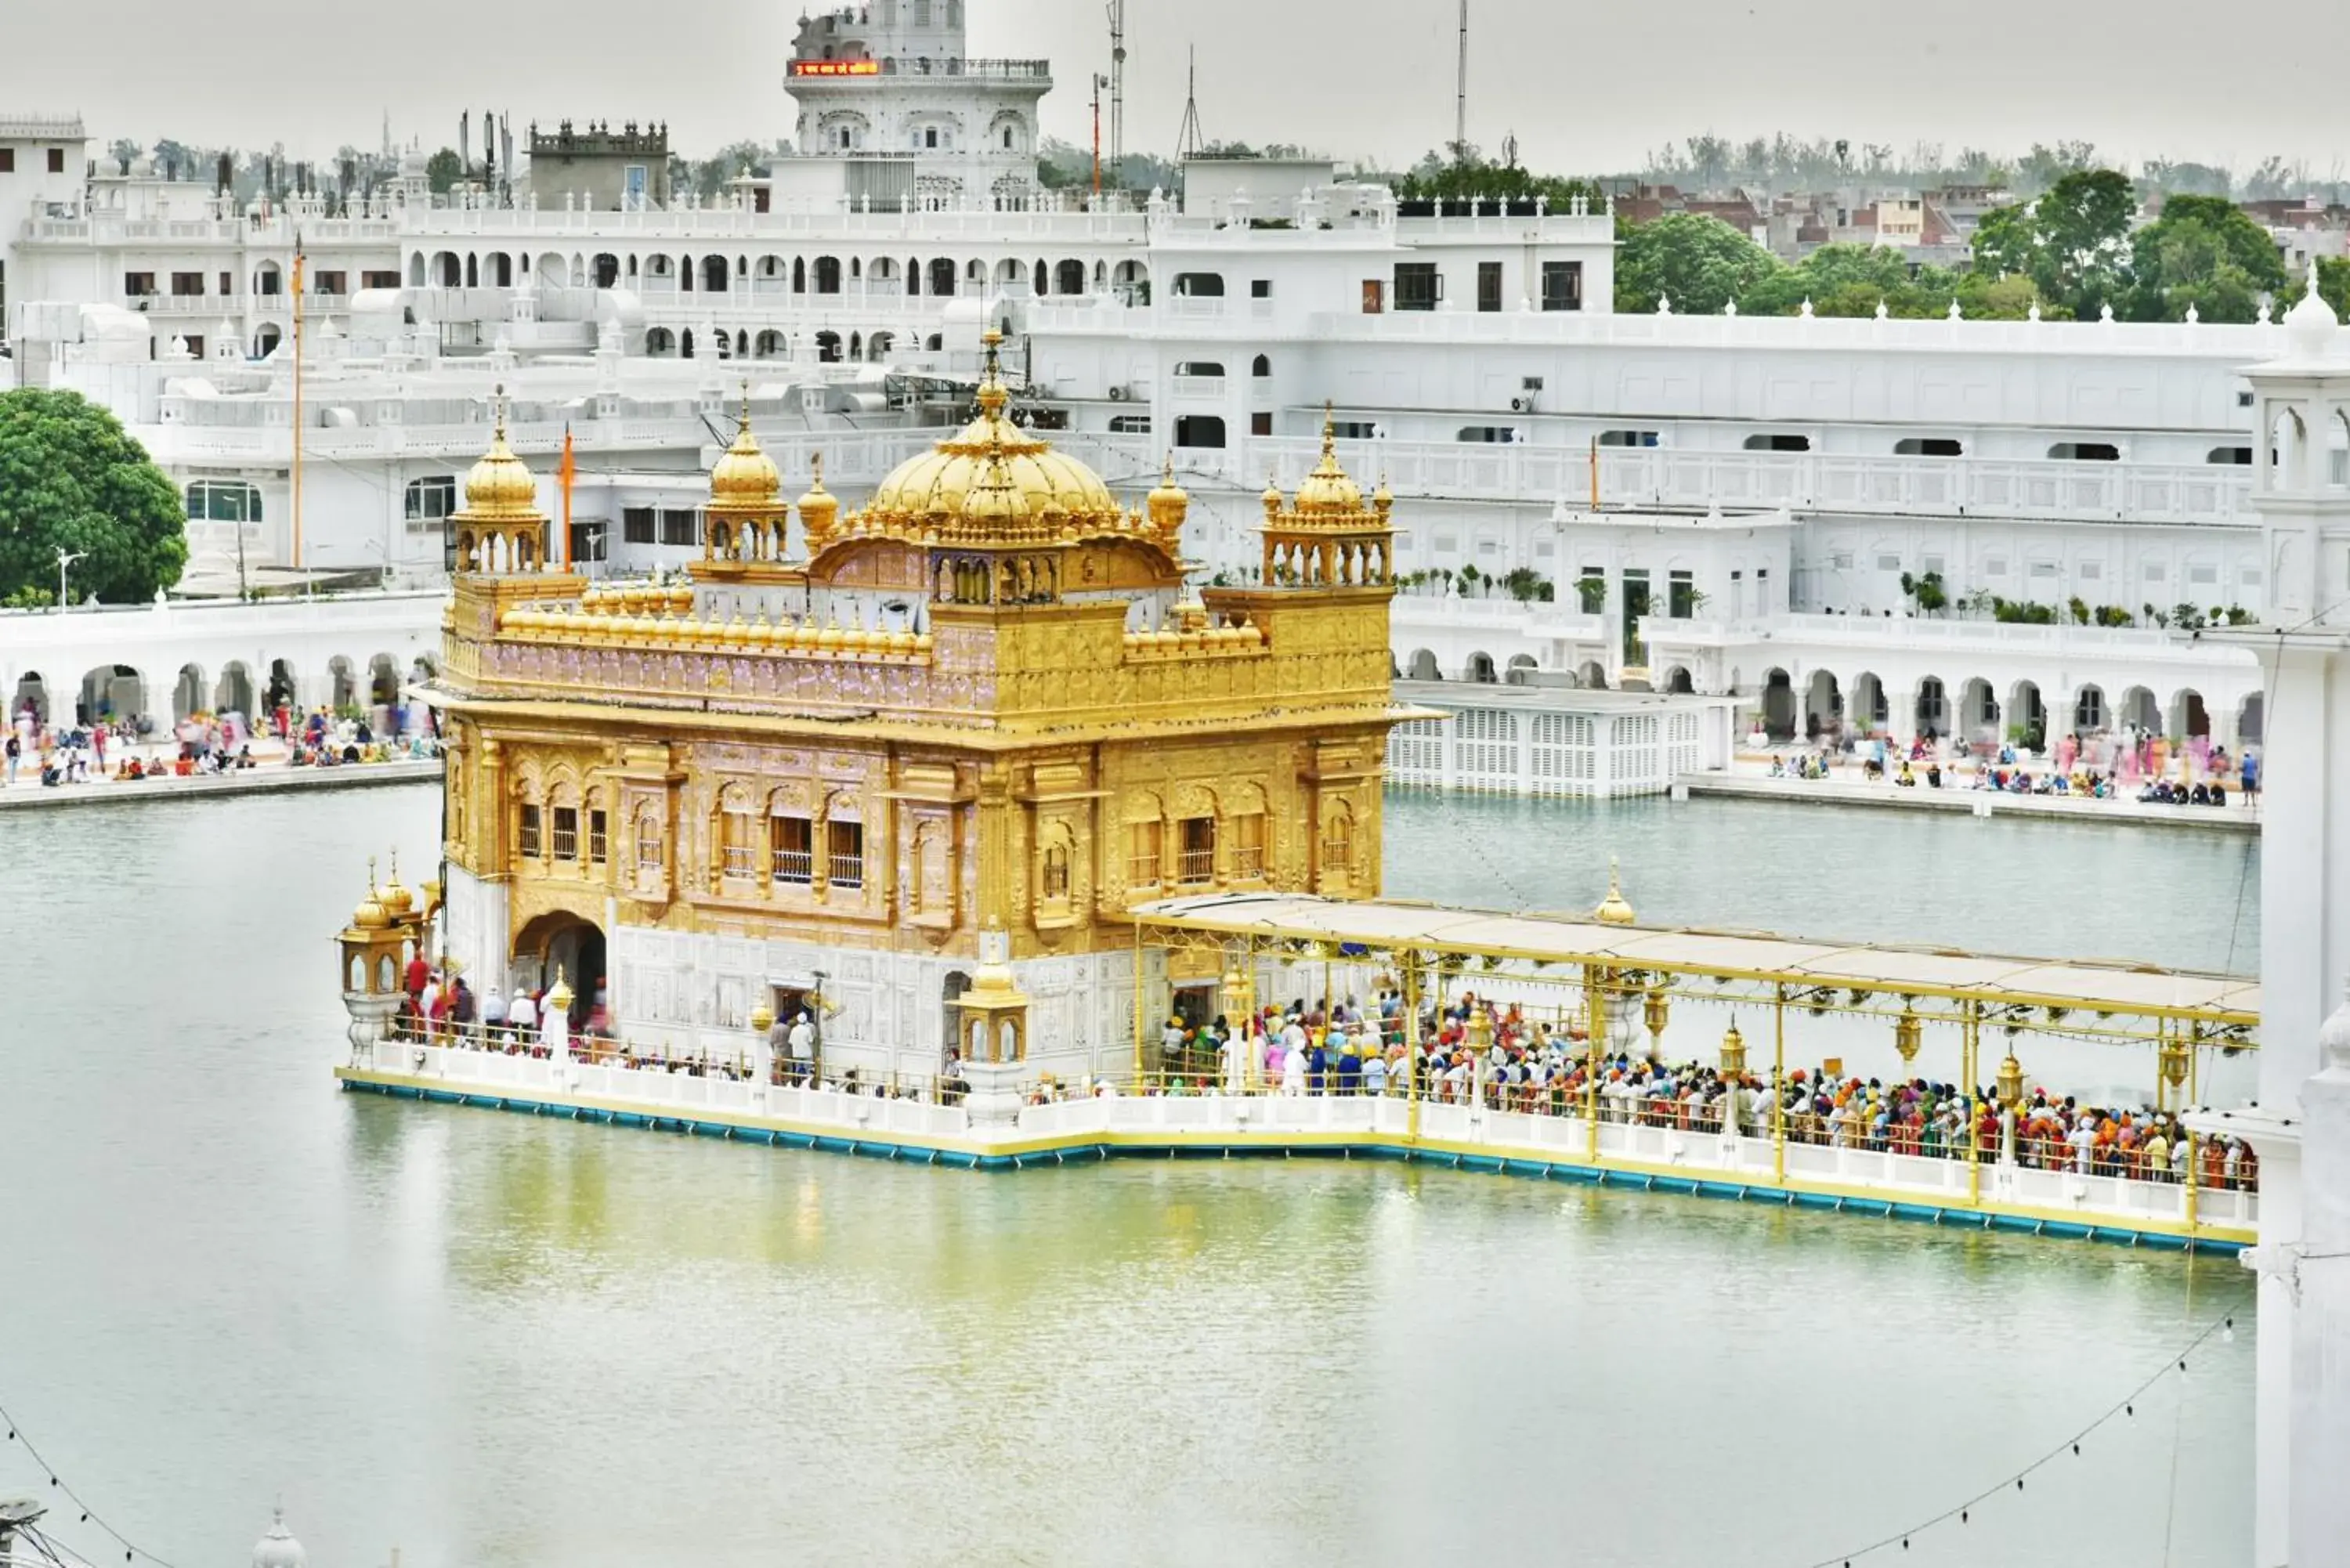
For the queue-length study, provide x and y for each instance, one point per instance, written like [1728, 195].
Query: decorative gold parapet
[670, 630]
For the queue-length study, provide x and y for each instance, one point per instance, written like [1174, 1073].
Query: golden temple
[980, 717]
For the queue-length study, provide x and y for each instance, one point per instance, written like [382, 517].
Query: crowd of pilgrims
[129, 750]
[2135, 764]
[1530, 1066]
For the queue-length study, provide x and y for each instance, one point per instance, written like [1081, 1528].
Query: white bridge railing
[1390, 1120]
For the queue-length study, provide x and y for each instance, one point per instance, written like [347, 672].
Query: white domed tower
[890, 76]
[277, 1548]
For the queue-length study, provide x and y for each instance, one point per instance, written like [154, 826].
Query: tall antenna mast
[1461, 94]
[1118, 89]
[1187, 142]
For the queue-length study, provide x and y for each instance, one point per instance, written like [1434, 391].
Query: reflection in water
[499, 1341]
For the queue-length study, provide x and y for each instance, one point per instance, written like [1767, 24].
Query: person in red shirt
[420, 975]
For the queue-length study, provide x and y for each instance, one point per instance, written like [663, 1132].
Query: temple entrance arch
[561, 942]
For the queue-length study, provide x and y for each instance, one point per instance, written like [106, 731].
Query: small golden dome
[558, 995]
[1168, 504]
[1328, 488]
[396, 899]
[746, 479]
[501, 487]
[991, 980]
[1612, 909]
[370, 916]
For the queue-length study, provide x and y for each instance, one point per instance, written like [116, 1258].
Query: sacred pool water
[489, 1340]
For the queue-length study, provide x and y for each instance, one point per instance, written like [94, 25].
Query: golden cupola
[1328, 537]
[745, 520]
[500, 530]
[745, 480]
[501, 487]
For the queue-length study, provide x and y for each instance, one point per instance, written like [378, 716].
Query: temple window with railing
[1196, 863]
[792, 840]
[566, 833]
[1248, 847]
[738, 844]
[1142, 854]
[844, 854]
[599, 839]
[526, 832]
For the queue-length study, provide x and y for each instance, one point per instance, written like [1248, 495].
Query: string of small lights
[1963, 1512]
[129, 1551]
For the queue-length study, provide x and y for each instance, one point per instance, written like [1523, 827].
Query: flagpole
[297, 413]
[564, 474]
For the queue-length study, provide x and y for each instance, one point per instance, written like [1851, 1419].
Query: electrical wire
[129, 1551]
[2126, 1406]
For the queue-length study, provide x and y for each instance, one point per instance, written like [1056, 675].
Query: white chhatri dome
[277, 1548]
[2311, 324]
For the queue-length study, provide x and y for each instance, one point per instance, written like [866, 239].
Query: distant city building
[606, 171]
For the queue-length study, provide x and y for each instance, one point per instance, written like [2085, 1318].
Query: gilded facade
[981, 710]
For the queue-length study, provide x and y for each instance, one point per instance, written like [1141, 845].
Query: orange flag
[565, 475]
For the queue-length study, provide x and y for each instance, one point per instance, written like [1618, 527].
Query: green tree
[2072, 241]
[2334, 283]
[71, 480]
[711, 174]
[1476, 179]
[2204, 252]
[1698, 262]
[444, 170]
[1839, 280]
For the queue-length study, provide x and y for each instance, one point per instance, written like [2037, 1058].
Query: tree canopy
[1698, 263]
[2203, 252]
[72, 480]
[2073, 242]
[444, 170]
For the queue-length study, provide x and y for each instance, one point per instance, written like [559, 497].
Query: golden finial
[370, 873]
[498, 411]
[816, 462]
[1329, 429]
[1166, 469]
[746, 402]
[1614, 911]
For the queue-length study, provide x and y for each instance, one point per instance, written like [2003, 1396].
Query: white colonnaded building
[1722, 507]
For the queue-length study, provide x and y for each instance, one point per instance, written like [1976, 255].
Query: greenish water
[2033, 887]
[489, 1340]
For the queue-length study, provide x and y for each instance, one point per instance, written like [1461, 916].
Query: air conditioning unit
[1118, 394]
[1522, 405]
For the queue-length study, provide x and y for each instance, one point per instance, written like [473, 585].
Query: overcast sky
[1587, 88]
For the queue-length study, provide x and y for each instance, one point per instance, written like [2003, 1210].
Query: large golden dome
[501, 486]
[993, 482]
[745, 478]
